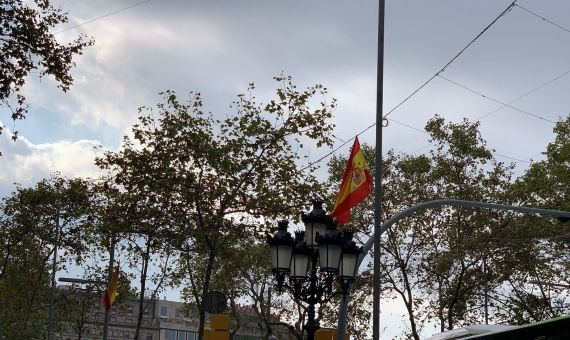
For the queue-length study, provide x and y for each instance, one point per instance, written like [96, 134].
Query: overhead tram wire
[543, 18]
[496, 100]
[527, 160]
[503, 13]
[335, 149]
[423, 147]
[103, 16]
[512, 158]
[536, 154]
[406, 125]
[491, 112]
[525, 94]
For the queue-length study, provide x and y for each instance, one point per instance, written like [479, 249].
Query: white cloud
[26, 163]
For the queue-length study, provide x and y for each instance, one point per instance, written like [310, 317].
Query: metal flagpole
[378, 174]
[109, 278]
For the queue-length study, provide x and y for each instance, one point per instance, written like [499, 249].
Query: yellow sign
[219, 327]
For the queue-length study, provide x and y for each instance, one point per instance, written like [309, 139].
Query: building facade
[162, 320]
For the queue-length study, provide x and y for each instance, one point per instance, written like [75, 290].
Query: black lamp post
[313, 260]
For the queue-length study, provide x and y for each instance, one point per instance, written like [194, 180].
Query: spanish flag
[111, 291]
[356, 184]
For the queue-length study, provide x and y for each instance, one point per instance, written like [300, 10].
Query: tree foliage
[27, 43]
[189, 197]
[453, 264]
[201, 182]
[27, 233]
[542, 260]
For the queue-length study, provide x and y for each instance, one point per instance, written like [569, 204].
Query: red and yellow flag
[111, 291]
[356, 184]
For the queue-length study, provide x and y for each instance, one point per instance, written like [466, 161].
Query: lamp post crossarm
[460, 203]
[343, 307]
[82, 281]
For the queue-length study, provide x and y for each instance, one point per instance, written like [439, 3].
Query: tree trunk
[81, 321]
[205, 287]
[413, 326]
[440, 307]
[235, 315]
[143, 288]
[5, 262]
[410, 302]
[455, 299]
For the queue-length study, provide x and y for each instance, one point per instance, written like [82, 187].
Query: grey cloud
[217, 47]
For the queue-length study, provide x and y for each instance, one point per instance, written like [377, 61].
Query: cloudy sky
[218, 47]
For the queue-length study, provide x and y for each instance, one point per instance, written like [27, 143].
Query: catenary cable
[423, 147]
[563, 74]
[525, 94]
[496, 100]
[103, 16]
[543, 18]
[503, 13]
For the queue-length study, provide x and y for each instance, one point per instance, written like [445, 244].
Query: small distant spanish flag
[356, 184]
[111, 291]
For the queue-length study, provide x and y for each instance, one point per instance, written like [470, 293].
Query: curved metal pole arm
[343, 307]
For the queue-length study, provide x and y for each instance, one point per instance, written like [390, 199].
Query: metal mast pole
[53, 270]
[378, 174]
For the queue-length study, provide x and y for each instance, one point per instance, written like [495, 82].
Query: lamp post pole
[312, 325]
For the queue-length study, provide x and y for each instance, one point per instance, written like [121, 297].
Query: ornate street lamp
[281, 251]
[300, 260]
[348, 261]
[317, 257]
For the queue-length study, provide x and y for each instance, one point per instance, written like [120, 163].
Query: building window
[189, 336]
[164, 312]
[169, 334]
[148, 336]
